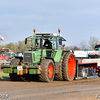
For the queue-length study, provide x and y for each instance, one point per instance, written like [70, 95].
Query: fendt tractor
[47, 59]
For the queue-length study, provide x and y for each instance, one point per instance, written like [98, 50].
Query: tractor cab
[37, 41]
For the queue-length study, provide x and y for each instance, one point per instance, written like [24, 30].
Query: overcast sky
[77, 19]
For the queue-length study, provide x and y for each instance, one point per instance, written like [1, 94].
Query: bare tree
[76, 48]
[68, 48]
[83, 45]
[92, 42]
[72, 48]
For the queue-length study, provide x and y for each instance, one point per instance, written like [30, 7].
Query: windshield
[36, 42]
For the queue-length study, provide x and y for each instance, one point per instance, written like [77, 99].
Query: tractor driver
[47, 44]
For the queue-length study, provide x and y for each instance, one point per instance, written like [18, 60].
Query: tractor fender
[50, 58]
[67, 51]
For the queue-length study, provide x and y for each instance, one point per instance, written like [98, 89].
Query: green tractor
[45, 57]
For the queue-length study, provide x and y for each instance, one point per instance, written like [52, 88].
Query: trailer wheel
[59, 76]
[47, 71]
[82, 72]
[69, 66]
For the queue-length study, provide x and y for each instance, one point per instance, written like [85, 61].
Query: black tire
[69, 67]
[99, 73]
[14, 76]
[59, 76]
[45, 76]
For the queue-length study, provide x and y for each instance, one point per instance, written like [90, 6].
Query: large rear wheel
[47, 70]
[69, 67]
[59, 76]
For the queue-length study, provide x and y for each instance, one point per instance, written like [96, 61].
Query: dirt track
[85, 89]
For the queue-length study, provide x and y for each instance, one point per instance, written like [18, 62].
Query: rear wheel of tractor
[59, 76]
[47, 70]
[69, 66]
[14, 76]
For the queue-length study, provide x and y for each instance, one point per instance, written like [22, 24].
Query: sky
[77, 19]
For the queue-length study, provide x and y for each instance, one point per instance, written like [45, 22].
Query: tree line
[84, 45]
[16, 47]
[20, 46]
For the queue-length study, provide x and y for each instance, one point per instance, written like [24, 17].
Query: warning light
[34, 30]
[59, 30]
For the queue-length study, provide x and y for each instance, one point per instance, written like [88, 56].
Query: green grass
[3, 74]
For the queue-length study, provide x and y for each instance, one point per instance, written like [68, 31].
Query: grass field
[3, 74]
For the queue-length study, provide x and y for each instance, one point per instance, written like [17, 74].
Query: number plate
[19, 68]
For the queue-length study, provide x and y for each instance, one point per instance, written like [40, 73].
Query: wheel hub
[49, 71]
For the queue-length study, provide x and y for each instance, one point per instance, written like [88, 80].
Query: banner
[1, 38]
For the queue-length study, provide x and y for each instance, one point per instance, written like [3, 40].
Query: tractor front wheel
[47, 70]
[14, 76]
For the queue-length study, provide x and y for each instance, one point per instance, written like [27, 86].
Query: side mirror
[60, 41]
[26, 41]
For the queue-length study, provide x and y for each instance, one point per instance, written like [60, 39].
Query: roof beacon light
[59, 30]
[34, 30]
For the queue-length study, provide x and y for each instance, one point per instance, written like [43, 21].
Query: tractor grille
[27, 57]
